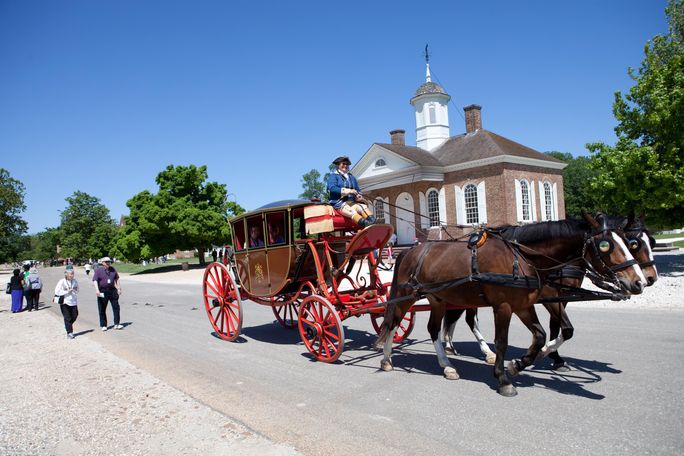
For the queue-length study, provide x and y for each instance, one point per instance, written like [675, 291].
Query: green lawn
[668, 236]
[170, 265]
[678, 244]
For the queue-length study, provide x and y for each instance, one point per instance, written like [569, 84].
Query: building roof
[483, 144]
[429, 87]
[415, 154]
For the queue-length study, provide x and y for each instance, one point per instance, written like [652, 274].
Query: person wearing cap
[66, 293]
[108, 289]
[345, 194]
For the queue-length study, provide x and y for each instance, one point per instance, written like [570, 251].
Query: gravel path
[72, 397]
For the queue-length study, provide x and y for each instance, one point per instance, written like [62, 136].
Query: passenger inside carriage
[275, 234]
[255, 237]
[345, 194]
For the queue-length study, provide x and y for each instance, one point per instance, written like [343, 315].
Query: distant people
[345, 194]
[67, 292]
[255, 237]
[26, 271]
[393, 240]
[17, 290]
[214, 255]
[33, 287]
[108, 290]
[87, 269]
[276, 234]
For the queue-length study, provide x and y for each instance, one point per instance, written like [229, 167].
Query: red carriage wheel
[287, 315]
[321, 329]
[404, 329]
[222, 301]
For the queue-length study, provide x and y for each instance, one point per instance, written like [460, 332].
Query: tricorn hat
[342, 159]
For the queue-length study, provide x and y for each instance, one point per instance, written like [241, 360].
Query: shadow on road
[670, 264]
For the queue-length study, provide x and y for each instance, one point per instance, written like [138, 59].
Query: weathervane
[427, 64]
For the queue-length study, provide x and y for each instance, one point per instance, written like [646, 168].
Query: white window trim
[460, 205]
[376, 166]
[533, 201]
[424, 219]
[481, 203]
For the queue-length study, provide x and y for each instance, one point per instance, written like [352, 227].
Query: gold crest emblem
[259, 273]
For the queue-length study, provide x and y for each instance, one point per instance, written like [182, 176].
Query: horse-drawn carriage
[309, 264]
[313, 266]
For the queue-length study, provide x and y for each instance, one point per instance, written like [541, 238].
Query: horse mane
[538, 232]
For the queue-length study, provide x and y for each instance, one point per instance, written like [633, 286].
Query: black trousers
[31, 299]
[109, 296]
[70, 314]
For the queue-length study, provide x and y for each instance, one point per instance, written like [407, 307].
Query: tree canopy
[577, 176]
[86, 229]
[12, 226]
[313, 186]
[186, 213]
[644, 171]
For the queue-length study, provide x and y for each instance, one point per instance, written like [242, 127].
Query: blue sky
[100, 96]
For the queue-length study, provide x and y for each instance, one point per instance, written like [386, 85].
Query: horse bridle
[635, 243]
[601, 248]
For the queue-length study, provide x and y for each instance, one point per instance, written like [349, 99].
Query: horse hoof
[491, 358]
[560, 367]
[507, 390]
[512, 368]
[450, 373]
[450, 350]
[386, 366]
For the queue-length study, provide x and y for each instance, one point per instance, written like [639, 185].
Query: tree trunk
[200, 253]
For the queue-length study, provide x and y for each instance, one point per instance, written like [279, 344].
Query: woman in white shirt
[66, 293]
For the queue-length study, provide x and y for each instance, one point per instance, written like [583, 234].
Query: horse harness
[515, 280]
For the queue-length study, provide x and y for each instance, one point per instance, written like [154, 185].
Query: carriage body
[307, 262]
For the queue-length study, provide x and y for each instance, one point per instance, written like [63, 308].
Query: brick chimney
[473, 118]
[398, 137]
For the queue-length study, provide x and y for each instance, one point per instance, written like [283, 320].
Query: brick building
[456, 183]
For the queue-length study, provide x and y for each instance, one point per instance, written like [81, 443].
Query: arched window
[433, 114]
[525, 200]
[379, 210]
[471, 206]
[433, 207]
[380, 162]
[548, 201]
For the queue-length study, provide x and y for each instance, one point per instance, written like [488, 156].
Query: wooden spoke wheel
[321, 329]
[222, 301]
[287, 315]
[404, 328]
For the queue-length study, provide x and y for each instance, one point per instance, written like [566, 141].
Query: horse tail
[388, 322]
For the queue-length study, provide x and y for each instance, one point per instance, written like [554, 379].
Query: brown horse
[640, 243]
[452, 276]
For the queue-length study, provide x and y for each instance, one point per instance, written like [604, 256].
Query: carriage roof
[275, 206]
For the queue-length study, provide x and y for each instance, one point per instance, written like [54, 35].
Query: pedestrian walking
[26, 271]
[108, 289]
[17, 290]
[33, 288]
[87, 269]
[66, 294]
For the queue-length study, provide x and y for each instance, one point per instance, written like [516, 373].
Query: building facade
[446, 186]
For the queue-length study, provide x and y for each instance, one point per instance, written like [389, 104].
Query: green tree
[186, 213]
[579, 197]
[12, 226]
[645, 169]
[313, 186]
[86, 229]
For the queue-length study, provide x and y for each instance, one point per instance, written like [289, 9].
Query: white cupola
[432, 113]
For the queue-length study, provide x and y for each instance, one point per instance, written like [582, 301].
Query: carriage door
[406, 231]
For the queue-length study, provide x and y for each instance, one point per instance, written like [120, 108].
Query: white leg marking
[551, 346]
[449, 371]
[484, 348]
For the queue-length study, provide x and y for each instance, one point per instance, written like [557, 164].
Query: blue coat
[336, 182]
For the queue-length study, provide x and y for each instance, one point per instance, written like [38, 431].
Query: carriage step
[665, 247]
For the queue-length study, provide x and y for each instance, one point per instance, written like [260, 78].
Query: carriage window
[379, 210]
[471, 207]
[255, 233]
[298, 227]
[525, 199]
[548, 201]
[238, 229]
[433, 207]
[275, 223]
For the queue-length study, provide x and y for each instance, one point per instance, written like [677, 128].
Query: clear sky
[100, 96]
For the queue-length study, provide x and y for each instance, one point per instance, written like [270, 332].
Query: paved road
[623, 396]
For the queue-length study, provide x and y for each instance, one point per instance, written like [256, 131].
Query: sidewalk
[72, 397]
